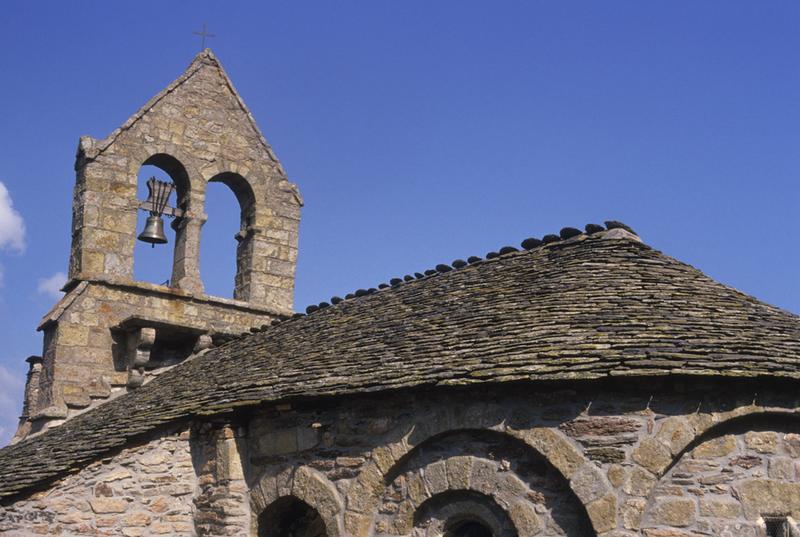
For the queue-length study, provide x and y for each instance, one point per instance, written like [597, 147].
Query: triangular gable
[203, 59]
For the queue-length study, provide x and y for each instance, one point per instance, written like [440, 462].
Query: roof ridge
[566, 236]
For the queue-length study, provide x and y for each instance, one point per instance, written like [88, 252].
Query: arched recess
[465, 513]
[754, 421]
[488, 466]
[290, 517]
[177, 172]
[730, 478]
[156, 264]
[227, 237]
[580, 477]
[303, 484]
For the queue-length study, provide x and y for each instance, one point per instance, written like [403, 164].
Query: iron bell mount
[158, 195]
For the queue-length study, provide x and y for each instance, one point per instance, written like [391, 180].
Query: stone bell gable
[111, 333]
[198, 130]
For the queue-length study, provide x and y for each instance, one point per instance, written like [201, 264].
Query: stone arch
[584, 478]
[290, 516]
[265, 261]
[442, 512]
[243, 191]
[758, 419]
[245, 235]
[306, 485]
[678, 435]
[190, 194]
[471, 474]
[173, 160]
[173, 167]
[746, 458]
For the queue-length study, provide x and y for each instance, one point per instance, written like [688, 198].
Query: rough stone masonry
[671, 461]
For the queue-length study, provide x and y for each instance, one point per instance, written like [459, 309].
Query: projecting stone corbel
[140, 343]
[204, 342]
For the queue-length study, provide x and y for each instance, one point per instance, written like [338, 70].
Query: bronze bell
[153, 231]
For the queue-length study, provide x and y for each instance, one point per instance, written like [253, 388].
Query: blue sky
[421, 132]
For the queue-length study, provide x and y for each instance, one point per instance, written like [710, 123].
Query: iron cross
[203, 36]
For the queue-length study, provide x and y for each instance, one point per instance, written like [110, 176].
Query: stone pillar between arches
[186, 264]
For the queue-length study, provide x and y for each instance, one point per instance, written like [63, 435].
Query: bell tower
[110, 333]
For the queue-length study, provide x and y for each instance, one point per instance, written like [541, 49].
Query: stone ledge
[164, 291]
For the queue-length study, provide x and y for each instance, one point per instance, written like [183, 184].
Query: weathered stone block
[631, 513]
[229, 460]
[781, 468]
[103, 505]
[601, 426]
[383, 458]
[677, 512]
[616, 475]
[484, 478]
[762, 441]
[717, 447]
[652, 455]
[587, 483]
[559, 452]
[435, 476]
[675, 432]
[525, 520]
[655, 532]
[136, 519]
[638, 481]
[458, 472]
[729, 509]
[603, 513]
[73, 335]
[767, 496]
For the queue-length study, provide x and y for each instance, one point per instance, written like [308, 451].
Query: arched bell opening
[154, 256]
[291, 517]
[227, 235]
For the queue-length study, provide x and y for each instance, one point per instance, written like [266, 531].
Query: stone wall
[142, 491]
[605, 460]
[727, 485]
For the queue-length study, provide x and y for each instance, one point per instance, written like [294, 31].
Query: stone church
[581, 384]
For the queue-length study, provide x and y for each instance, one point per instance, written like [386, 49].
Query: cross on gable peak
[203, 34]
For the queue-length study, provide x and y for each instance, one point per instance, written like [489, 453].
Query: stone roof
[586, 307]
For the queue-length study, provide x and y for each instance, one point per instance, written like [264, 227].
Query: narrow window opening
[777, 527]
[468, 528]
